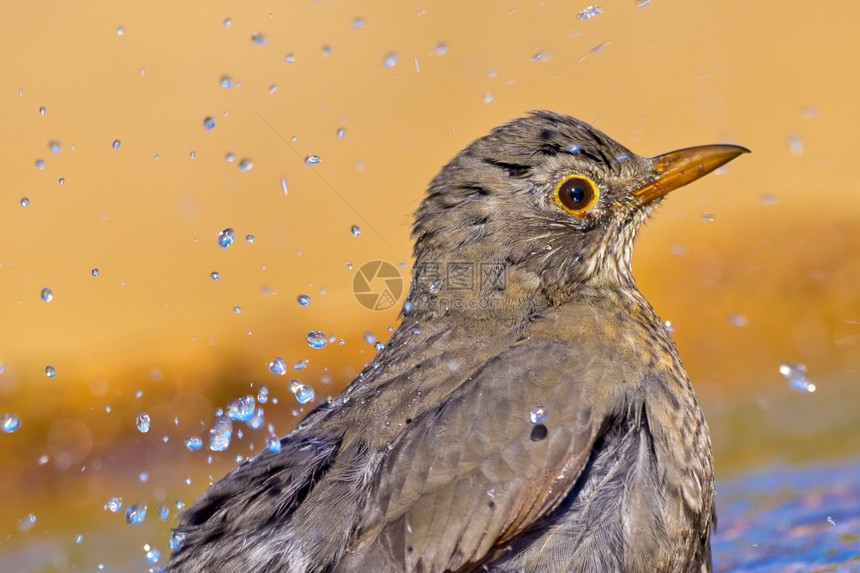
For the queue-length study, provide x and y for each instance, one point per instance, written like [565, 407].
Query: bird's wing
[477, 471]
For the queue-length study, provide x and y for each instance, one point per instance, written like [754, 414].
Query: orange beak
[677, 168]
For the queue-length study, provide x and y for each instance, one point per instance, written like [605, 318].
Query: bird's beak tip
[678, 168]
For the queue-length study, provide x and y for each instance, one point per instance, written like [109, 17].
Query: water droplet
[312, 160]
[589, 12]
[249, 239]
[237, 309]
[78, 539]
[795, 144]
[642, 3]
[9, 422]
[598, 48]
[114, 504]
[358, 23]
[316, 339]
[796, 376]
[225, 238]
[289, 58]
[116, 144]
[390, 60]
[62, 180]
[241, 409]
[488, 97]
[143, 422]
[273, 443]
[355, 230]
[47, 295]
[143, 477]
[738, 320]
[300, 365]
[303, 299]
[263, 395]
[245, 164]
[441, 49]
[226, 81]
[193, 443]
[214, 275]
[708, 217]
[152, 554]
[341, 132]
[831, 522]
[369, 338]
[26, 523]
[379, 346]
[542, 57]
[43, 110]
[177, 538]
[278, 366]
[25, 202]
[120, 31]
[40, 164]
[227, 23]
[50, 372]
[229, 157]
[273, 88]
[220, 434]
[668, 326]
[208, 122]
[55, 146]
[538, 415]
[256, 421]
[258, 39]
[303, 392]
[136, 513]
[163, 512]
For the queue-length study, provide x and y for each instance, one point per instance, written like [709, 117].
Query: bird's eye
[576, 194]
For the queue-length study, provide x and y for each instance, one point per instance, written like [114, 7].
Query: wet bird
[530, 413]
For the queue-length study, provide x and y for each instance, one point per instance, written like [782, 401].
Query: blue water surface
[790, 520]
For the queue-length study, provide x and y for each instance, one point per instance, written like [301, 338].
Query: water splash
[143, 422]
[796, 376]
[589, 12]
[278, 366]
[135, 514]
[9, 422]
[220, 434]
[538, 415]
[241, 409]
[316, 339]
[226, 237]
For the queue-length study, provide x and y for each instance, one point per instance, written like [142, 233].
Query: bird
[530, 413]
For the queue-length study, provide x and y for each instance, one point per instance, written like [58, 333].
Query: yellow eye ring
[576, 194]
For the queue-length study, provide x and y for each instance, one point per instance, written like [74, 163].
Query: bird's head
[550, 200]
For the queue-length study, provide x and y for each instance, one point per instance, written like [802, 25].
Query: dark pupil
[575, 193]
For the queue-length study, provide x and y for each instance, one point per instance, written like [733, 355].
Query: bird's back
[473, 463]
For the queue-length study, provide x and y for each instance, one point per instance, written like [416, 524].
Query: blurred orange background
[754, 267]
